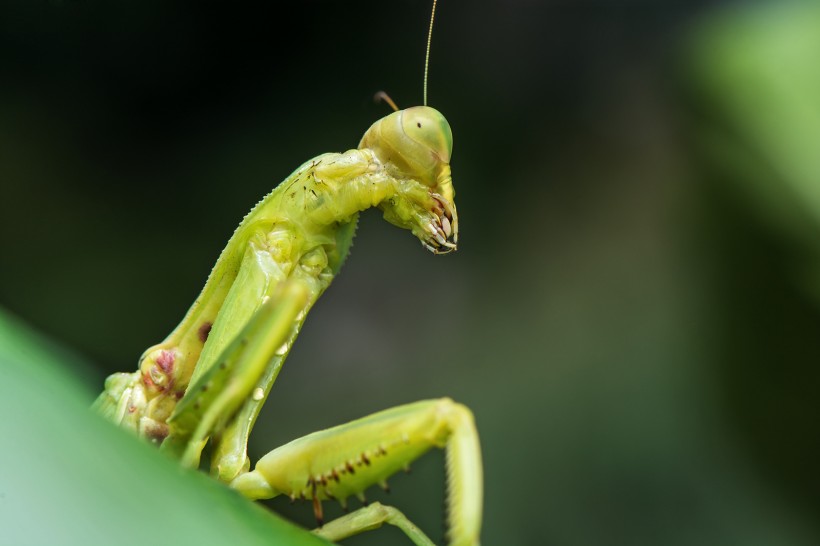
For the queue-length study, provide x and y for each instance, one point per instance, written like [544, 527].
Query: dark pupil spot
[419, 125]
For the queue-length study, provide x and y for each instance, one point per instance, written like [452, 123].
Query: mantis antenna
[427, 56]
[381, 95]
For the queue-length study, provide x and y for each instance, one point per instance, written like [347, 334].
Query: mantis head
[414, 147]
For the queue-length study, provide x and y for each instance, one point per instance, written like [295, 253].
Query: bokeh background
[634, 310]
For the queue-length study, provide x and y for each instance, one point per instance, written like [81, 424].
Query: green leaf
[69, 477]
[756, 71]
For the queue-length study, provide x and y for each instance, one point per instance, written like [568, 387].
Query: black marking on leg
[317, 511]
[203, 331]
[317, 508]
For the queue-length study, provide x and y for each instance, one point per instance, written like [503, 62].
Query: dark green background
[635, 326]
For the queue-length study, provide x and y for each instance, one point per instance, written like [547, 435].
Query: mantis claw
[448, 220]
[445, 224]
[438, 235]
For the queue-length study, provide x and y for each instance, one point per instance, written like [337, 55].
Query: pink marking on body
[146, 379]
[203, 331]
[165, 361]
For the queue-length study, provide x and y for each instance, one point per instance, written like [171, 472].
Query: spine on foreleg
[344, 461]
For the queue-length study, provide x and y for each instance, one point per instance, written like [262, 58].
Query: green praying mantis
[208, 380]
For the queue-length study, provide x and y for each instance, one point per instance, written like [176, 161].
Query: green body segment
[227, 385]
[345, 460]
[300, 233]
[278, 241]
[369, 518]
[208, 379]
[283, 237]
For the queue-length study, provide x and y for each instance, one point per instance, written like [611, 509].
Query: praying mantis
[207, 381]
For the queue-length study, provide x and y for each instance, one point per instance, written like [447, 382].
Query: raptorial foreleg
[219, 393]
[345, 460]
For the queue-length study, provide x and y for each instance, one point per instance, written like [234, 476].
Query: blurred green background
[634, 310]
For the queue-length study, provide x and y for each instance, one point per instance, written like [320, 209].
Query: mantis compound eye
[428, 128]
[413, 143]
